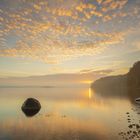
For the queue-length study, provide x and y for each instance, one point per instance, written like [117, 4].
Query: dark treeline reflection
[120, 93]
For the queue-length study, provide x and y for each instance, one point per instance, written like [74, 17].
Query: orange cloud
[56, 31]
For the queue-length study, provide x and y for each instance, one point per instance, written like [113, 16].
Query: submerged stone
[137, 100]
[31, 107]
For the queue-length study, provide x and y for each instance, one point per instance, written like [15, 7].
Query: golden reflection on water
[65, 114]
[89, 93]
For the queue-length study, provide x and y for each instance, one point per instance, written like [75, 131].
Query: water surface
[66, 113]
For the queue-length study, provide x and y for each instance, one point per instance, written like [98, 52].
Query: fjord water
[66, 114]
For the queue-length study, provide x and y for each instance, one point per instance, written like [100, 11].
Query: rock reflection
[31, 107]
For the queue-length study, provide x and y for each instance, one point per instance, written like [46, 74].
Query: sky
[83, 37]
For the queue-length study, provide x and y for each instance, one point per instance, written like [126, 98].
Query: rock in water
[137, 100]
[31, 107]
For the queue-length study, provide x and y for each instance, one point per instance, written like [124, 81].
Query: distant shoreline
[27, 86]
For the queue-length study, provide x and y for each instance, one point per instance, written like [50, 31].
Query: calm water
[66, 114]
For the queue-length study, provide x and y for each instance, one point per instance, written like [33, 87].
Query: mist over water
[66, 113]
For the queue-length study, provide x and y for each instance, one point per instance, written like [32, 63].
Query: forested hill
[129, 82]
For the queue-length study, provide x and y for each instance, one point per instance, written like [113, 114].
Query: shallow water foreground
[67, 114]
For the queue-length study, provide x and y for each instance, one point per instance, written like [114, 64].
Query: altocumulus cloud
[55, 30]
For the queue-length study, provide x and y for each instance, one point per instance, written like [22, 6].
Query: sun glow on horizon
[87, 81]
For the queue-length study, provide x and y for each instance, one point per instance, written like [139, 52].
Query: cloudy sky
[43, 37]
